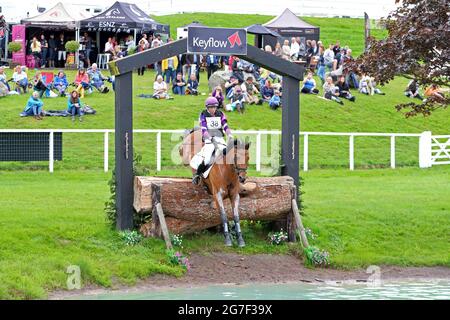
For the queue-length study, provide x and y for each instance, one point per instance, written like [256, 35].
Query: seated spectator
[435, 92]
[3, 78]
[367, 85]
[344, 89]
[192, 85]
[412, 90]
[275, 101]
[160, 88]
[179, 86]
[330, 91]
[60, 83]
[267, 91]
[309, 85]
[250, 92]
[34, 107]
[229, 86]
[39, 85]
[278, 50]
[20, 80]
[82, 82]
[97, 78]
[286, 49]
[217, 93]
[74, 105]
[237, 101]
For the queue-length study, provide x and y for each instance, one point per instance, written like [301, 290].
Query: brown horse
[227, 173]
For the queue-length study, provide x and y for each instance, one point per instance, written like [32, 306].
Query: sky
[14, 10]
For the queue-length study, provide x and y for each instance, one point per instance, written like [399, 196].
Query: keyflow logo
[217, 41]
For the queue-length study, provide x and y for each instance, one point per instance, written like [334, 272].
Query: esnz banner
[218, 41]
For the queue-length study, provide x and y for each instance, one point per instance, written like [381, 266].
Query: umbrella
[261, 31]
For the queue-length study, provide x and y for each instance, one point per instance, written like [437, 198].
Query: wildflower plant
[277, 238]
[131, 238]
[176, 240]
[177, 258]
[317, 257]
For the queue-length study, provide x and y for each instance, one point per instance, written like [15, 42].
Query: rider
[213, 123]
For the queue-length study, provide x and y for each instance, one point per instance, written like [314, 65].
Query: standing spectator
[321, 64]
[61, 47]
[237, 72]
[337, 47]
[109, 48]
[20, 79]
[51, 51]
[278, 50]
[344, 89]
[60, 83]
[217, 93]
[295, 47]
[130, 45]
[185, 62]
[412, 90]
[301, 48]
[267, 91]
[309, 85]
[36, 51]
[88, 48]
[275, 101]
[74, 106]
[34, 106]
[81, 82]
[212, 64]
[286, 50]
[160, 88]
[140, 48]
[192, 85]
[330, 91]
[179, 86]
[44, 51]
[157, 42]
[328, 57]
[169, 68]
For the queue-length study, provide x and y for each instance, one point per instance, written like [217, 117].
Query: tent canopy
[122, 16]
[261, 30]
[60, 16]
[288, 20]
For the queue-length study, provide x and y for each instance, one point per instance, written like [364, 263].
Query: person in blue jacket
[60, 83]
[275, 101]
[74, 105]
[34, 106]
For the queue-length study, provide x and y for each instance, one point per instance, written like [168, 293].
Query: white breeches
[206, 153]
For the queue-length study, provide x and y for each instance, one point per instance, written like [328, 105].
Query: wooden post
[298, 221]
[159, 226]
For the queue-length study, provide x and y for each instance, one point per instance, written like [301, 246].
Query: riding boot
[228, 241]
[196, 177]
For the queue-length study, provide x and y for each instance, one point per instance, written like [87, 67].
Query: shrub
[72, 46]
[14, 46]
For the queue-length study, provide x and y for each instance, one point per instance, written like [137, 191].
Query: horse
[228, 171]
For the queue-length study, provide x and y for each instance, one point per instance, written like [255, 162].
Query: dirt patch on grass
[219, 268]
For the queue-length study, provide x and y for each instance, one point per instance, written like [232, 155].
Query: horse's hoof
[228, 241]
[241, 242]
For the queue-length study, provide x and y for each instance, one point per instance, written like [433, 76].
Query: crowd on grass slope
[180, 75]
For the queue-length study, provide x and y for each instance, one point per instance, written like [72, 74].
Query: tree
[417, 46]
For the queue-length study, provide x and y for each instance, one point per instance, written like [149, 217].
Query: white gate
[440, 150]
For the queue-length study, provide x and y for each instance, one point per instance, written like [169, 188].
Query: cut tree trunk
[188, 208]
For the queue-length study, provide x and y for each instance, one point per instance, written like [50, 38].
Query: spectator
[140, 48]
[237, 71]
[38, 84]
[3, 78]
[250, 92]
[36, 51]
[321, 64]
[275, 101]
[60, 83]
[51, 51]
[212, 64]
[109, 48]
[192, 85]
[169, 68]
[20, 80]
[88, 48]
[328, 57]
[435, 92]
[185, 62]
[344, 89]
[412, 90]
[130, 45]
[217, 93]
[237, 101]
[367, 85]
[157, 42]
[82, 82]
[268, 48]
[229, 86]
[301, 48]
[97, 78]
[61, 47]
[286, 50]
[267, 91]
[295, 47]
[179, 86]
[330, 91]
[312, 55]
[309, 85]
[44, 51]
[160, 88]
[337, 47]
[74, 106]
[34, 107]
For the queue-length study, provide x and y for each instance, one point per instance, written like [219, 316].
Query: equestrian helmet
[211, 102]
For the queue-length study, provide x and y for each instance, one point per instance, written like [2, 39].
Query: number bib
[213, 123]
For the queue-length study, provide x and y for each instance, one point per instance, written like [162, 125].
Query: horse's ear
[247, 145]
[235, 141]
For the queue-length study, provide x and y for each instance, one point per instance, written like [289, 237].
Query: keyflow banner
[218, 41]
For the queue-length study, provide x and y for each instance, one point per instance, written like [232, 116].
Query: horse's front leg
[223, 216]
[235, 205]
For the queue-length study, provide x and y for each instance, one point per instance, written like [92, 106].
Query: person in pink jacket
[81, 82]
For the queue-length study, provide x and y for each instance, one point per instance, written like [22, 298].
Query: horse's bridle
[237, 169]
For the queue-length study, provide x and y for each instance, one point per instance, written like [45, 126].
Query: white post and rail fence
[433, 149]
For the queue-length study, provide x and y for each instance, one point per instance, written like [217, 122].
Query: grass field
[376, 216]
[364, 217]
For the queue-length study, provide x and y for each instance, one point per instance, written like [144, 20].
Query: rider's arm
[227, 130]
[204, 127]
